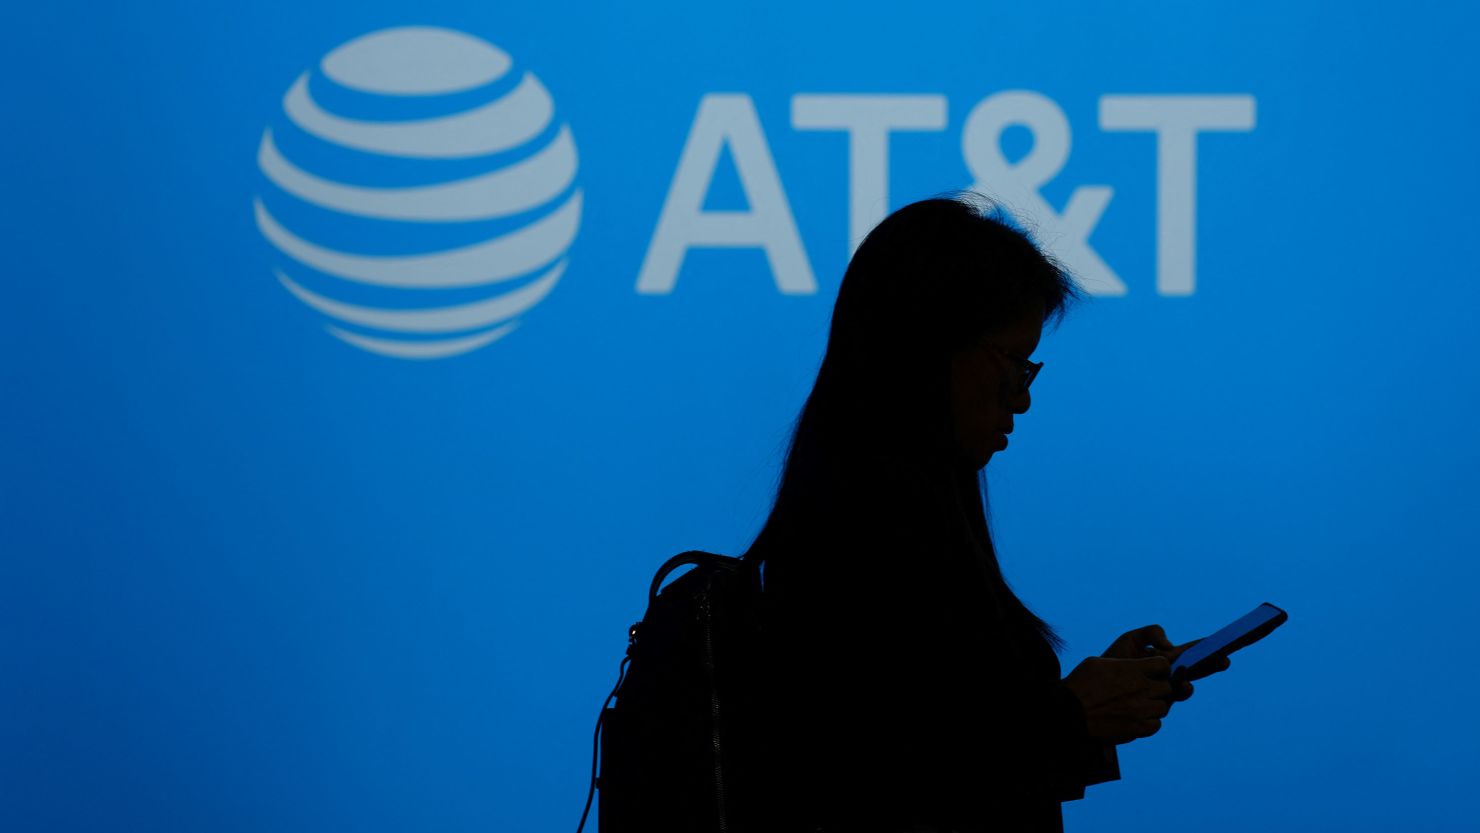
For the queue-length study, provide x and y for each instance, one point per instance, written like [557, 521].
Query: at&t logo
[421, 193]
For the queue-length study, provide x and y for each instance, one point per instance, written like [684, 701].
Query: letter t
[1176, 120]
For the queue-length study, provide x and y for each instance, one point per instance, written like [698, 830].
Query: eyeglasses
[1024, 370]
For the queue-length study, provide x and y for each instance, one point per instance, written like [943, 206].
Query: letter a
[726, 119]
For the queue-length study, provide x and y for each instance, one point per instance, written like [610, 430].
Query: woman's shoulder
[874, 503]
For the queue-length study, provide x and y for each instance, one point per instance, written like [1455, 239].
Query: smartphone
[1241, 633]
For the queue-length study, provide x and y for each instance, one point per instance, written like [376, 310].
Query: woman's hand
[1123, 699]
[1151, 641]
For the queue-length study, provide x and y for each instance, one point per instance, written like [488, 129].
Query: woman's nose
[1020, 403]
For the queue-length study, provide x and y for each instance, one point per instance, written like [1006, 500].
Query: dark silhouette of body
[903, 686]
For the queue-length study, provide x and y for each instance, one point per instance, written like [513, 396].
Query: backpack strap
[697, 557]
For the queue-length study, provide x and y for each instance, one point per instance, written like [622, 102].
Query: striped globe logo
[419, 192]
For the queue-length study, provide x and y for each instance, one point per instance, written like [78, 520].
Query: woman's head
[937, 314]
[927, 361]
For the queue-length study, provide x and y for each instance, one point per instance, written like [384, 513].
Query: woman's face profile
[986, 389]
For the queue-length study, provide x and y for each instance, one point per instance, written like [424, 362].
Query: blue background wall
[254, 578]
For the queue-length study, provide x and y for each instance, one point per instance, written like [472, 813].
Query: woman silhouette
[904, 686]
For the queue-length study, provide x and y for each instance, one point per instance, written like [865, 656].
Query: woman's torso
[887, 632]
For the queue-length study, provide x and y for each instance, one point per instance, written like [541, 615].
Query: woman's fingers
[1151, 635]
[1177, 650]
[1161, 689]
[1217, 666]
[1157, 668]
[1140, 642]
[1158, 687]
[1154, 703]
[1146, 636]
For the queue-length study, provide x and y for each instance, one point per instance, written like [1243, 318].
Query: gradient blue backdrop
[254, 579]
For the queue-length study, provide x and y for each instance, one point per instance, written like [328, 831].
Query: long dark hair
[927, 281]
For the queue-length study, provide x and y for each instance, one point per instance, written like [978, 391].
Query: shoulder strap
[697, 557]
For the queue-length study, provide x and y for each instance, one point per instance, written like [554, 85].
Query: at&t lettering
[729, 121]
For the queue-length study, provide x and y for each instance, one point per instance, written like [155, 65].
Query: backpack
[672, 750]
